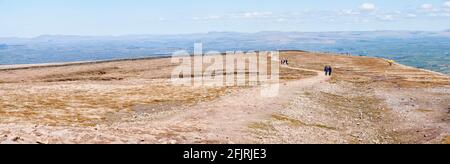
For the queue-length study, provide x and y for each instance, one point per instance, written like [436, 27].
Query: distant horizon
[209, 32]
[423, 49]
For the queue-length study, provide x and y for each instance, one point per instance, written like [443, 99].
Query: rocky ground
[365, 101]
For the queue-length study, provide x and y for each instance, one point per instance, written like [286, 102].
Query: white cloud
[427, 7]
[206, 18]
[410, 15]
[348, 12]
[245, 15]
[281, 20]
[369, 7]
[430, 10]
[367, 12]
[387, 18]
[212, 17]
[447, 4]
[433, 15]
[256, 14]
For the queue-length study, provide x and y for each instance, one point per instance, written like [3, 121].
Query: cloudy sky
[27, 18]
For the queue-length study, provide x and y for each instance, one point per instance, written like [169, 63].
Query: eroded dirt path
[226, 119]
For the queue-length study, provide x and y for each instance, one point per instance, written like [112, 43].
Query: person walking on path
[284, 62]
[328, 70]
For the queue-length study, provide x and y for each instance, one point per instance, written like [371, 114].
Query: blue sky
[28, 18]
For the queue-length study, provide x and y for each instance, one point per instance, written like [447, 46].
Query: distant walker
[285, 62]
[328, 70]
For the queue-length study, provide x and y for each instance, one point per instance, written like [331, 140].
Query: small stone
[38, 134]
[15, 139]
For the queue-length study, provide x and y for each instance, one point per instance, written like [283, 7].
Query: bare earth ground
[365, 101]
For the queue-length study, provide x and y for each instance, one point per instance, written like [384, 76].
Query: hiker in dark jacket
[330, 70]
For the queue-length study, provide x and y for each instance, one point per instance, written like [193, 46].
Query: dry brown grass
[367, 70]
[262, 126]
[74, 106]
[291, 74]
[92, 93]
[446, 140]
[296, 122]
[425, 110]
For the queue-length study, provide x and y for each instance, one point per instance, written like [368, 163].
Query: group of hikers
[328, 70]
[284, 61]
